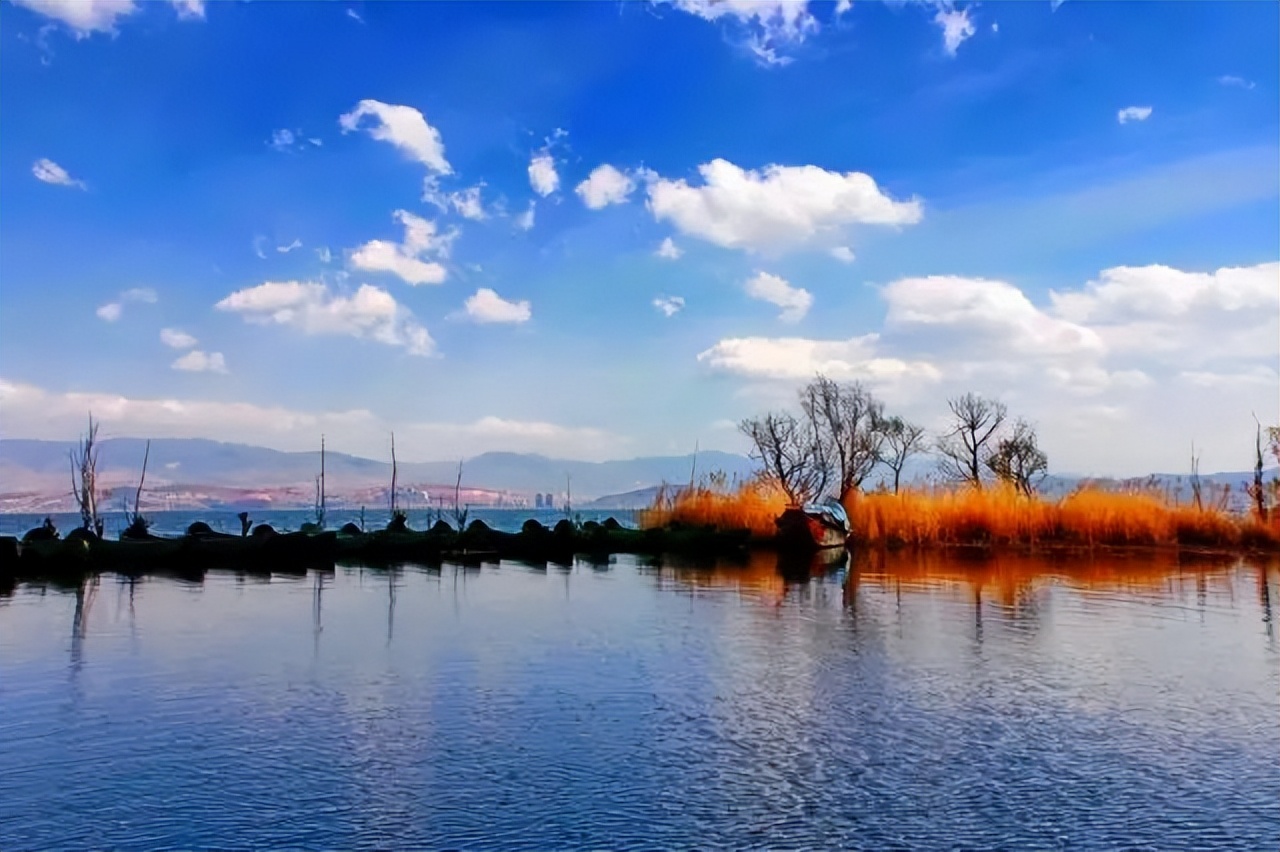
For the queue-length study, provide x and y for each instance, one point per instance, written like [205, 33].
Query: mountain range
[195, 473]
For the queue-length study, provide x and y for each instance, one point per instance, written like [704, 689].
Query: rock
[199, 528]
[264, 531]
[350, 529]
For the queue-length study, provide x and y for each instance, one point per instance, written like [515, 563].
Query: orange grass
[1089, 517]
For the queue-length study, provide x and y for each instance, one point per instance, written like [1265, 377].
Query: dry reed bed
[995, 516]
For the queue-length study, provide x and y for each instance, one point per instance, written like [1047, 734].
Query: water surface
[909, 702]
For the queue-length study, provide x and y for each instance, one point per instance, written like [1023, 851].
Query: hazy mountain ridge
[197, 473]
[193, 472]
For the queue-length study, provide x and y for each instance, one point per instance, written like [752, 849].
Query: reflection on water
[873, 701]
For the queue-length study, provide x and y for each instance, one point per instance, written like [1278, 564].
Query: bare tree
[1018, 459]
[901, 440]
[845, 420]
[84, 479]
[1196, 485]
[459, 511]
[136, 524]
[1257, 489]
[965, 448]
[790, 452]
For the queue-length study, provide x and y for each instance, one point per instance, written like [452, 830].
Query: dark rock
[199, 528]
[264, 531]
[532, 527]
[612, 525]
[563, 527]
[82, 534]
[441, 527]
[350, 529]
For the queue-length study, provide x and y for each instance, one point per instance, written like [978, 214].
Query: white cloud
[176, 338]
[524, 221]
[1117, 372]
[355, 16]
[794, 301]
[1238, 82]
[402, 126]
[30, 411]
[467, 203]
[542, 173]
[779, 207]
[1133, 113]
[668, 250]
[196, 361]
[312, 308]
[285, 249]
[112, 311]
[324, 254]
[844, 254]
[407, 259]
[486, 306]
[843, 6]
[994, 313]
[770, 26]
[259, 246]
[604, 186]
[956, 28]
[995, 27]
[83, 17]
[48, 171]
[189, 10]
[800, 358]
[669, 305]
[281, 140]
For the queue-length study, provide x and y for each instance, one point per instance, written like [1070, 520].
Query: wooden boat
[815, 526]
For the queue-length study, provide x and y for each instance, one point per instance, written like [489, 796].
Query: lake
[906, 702]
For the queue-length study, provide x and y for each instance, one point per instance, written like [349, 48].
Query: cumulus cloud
[956, 28]
[770, 26]
[407, 259]
[486, 306]
[112, 311]
[467, 203]
[285, 141]
[30, 411]
[48, 171]
[285, 249]
[844, 254]
[1139, 360]
[86, 17]
[542, 173]
[604, 186]
[776, 208]
[402, 126]
[176, 338]
[794, 301]
[524, 221]
[324, 254]
[669, 305]
[1133, 113]
[196, 361]
[368, 313]
[993, 312]
[798, 358]
[668, 250]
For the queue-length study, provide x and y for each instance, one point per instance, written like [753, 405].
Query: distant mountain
[41, 469]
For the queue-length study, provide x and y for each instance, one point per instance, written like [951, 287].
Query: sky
[604, 230]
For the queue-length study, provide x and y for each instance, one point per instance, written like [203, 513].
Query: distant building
[549, 501]
[537, 501]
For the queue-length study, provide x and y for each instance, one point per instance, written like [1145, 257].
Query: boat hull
[801, 530]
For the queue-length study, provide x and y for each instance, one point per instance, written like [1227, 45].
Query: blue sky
[261, 221]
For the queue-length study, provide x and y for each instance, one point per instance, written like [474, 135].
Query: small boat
[814, 526]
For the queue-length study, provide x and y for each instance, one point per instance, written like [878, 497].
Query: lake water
[913, 702]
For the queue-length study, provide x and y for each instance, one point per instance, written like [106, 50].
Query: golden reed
[997, 515]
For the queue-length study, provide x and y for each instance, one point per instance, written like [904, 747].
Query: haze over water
[904, 702]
